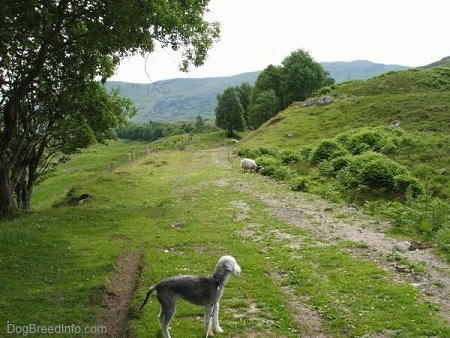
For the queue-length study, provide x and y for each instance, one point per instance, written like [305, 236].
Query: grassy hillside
[184, 99]
[377, 142]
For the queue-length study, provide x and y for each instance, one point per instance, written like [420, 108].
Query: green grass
[178, 205]
[174, 205]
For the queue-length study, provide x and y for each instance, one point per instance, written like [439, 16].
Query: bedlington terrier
[199, 290]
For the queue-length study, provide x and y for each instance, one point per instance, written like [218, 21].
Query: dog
[199, 290]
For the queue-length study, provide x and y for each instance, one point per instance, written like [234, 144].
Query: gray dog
[199, 290]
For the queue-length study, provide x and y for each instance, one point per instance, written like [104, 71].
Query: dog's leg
[165, 316]
[215, 319]
[209, 313]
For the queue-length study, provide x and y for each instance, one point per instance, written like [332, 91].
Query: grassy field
[184, 207]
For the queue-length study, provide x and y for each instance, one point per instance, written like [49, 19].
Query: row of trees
[52, 57]
[275, 89]
[154, 130]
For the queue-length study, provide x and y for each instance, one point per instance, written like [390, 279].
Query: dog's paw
[218, 329]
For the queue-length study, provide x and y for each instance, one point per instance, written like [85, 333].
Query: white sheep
[248, 164]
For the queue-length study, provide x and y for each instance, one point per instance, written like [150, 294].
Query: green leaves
[51, 56]
[229, 111]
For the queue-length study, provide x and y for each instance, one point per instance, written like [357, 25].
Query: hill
[444, 62]
[184, 99]
[379, 143]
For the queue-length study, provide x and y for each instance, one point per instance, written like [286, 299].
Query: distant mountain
[359, 69]
[178, 99]
[184, 99]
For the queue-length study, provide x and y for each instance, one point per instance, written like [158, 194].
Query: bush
[249, 153]
[301, 183]
[384, 140]
[331, 168]
[405, 184]
[326, 151]
[372, 173]
[443, 238]
[290, 156]
[269, 164]
[254, 153]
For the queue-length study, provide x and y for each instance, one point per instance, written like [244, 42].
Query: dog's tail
[149, 293]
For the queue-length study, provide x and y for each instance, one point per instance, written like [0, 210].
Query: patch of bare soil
[117, 295]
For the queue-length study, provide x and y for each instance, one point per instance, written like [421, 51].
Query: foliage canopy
[51, 56]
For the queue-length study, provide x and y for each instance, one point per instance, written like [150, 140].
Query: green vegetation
[230, 112]
[153, 131]
[176, 207]
[275, 88]
[185, 98]
[383, 144]
[53, 56]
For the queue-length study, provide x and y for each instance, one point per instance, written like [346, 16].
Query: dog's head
[228, 264]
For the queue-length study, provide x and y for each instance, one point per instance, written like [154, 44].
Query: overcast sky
[256, 33]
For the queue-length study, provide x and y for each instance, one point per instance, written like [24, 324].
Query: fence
[129, 157]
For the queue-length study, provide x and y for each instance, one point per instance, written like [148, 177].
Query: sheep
[249, 164]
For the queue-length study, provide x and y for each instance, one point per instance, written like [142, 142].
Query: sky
[257, 33]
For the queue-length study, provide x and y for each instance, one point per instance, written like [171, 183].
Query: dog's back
[196, 289]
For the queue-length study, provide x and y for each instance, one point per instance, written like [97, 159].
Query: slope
[184, 99]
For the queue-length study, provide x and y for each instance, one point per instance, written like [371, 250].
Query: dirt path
[117, 295]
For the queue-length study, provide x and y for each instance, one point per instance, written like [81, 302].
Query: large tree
[266, 96]
[52, 55]
[295, 80]
[229, 111]
[301, 76]
[266, 106]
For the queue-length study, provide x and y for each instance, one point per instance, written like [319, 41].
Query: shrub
[290, 156]
[282, 173]
[331, 168]
[249, 153]
[269, 164]
[305, 153]
[384, 140]
[405, 184]
[301, 183]
[327, 150]
[377, 171]
[373, 173]
[443, 238]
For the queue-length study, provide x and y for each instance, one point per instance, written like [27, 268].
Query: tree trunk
[6, 195]
[24, 190]
[229, 132]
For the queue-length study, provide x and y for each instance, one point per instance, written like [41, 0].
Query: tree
[244, 92]
[301, 76]
[266, 106]
[52, 55]
[295, 80]
[229, 112]
[268, 84]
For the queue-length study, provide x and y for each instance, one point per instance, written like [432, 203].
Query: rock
[402, 246]
[309, 102]
[324, 100]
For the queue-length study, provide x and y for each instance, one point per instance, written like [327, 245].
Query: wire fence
[129, 157]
